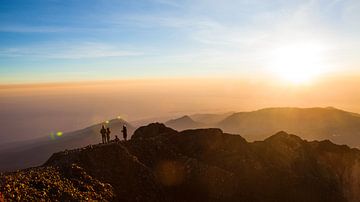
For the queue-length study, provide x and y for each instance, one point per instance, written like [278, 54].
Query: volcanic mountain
[36, 152]
[162, 164]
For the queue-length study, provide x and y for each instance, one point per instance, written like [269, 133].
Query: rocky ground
[54, 184]
[161, 164]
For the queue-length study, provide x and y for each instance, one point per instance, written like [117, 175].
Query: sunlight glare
[297, 63]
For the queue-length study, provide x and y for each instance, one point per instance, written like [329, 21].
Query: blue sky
[71, 40]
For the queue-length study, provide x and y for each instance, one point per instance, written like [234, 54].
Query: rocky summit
[162, 164]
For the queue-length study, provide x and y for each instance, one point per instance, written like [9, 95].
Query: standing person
[103, 134]
[124, 131]
[108, 135]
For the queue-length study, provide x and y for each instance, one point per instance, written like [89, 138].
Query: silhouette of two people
[105, 134]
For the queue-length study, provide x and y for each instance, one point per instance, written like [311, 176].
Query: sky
[72, 40]
[67, 64]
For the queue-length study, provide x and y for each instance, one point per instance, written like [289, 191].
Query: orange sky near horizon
[35, 110]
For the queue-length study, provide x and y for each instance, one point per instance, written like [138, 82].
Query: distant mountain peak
[284, 137]
[183, 123]
[38, 152]
[183, 118]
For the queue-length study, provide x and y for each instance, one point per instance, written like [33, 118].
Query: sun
[297, 63]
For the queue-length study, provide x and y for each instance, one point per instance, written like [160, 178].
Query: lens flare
[52, 136]
[170, 173]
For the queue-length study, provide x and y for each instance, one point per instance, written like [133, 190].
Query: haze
[30, 111]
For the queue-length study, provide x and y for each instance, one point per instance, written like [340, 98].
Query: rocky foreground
[161, 164]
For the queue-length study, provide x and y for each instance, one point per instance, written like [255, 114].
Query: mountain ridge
[162, 164]
[315, 123]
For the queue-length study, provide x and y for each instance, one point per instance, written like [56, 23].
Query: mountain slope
[161, 164]
[309, 123]
[210, 119]
[183, 123]
[36, 153]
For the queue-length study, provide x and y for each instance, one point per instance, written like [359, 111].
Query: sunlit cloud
[245, 44]
[68, 51]
[34, 29]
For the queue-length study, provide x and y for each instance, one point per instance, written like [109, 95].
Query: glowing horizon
[43, 108]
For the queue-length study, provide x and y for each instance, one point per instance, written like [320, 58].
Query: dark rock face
[152, 130]
[161, 164]
[113, 164]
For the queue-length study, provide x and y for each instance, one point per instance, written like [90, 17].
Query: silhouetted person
[103, 134]
[116, 139]
[124, 131]
[108, 135]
